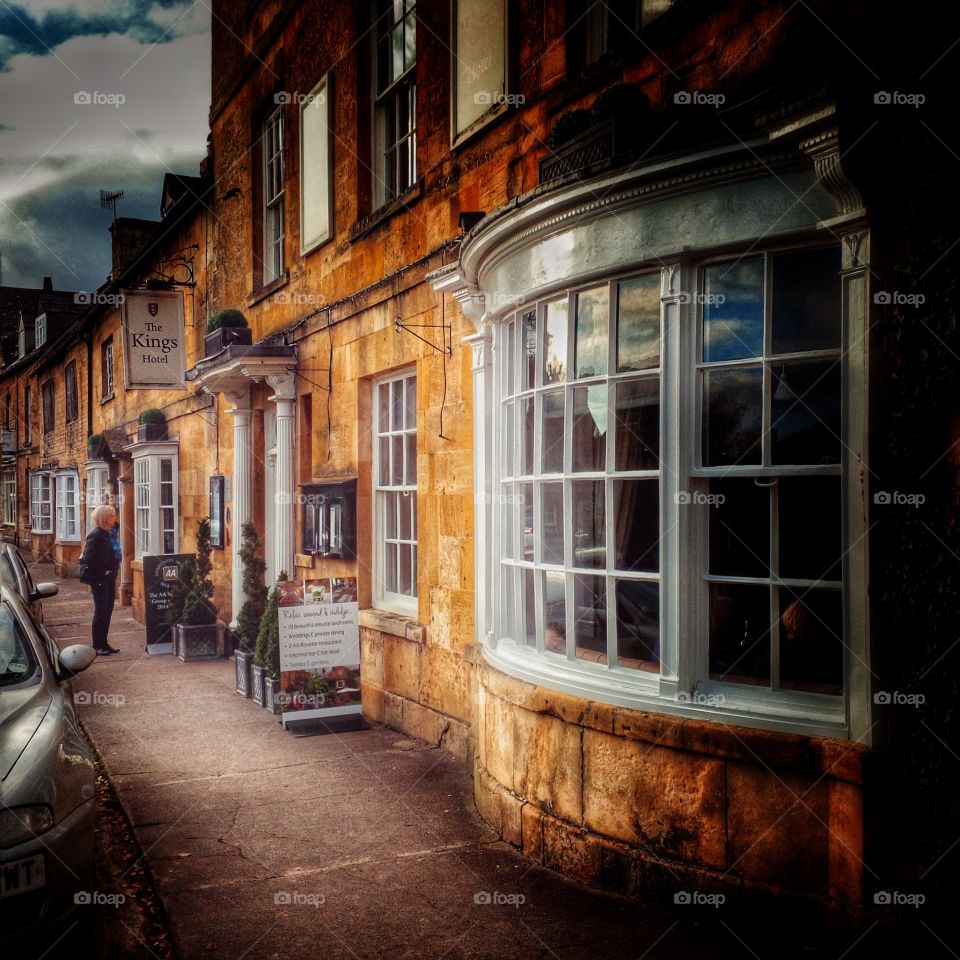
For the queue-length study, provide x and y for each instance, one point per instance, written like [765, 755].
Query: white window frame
[384, 598]
[274, 215]
[316, 163]
[156, 501]
[106, 369]
[68, 506]
[8, 493]
[392, 97]
[98, 488]
[40, 331]
[479, 42]
[684, 633]
[41, 495]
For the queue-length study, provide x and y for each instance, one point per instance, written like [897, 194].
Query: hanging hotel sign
[153, 339]
[319, 648]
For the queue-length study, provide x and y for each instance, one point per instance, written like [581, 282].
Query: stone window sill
[394, 624]
[406, 199]
[257, 295]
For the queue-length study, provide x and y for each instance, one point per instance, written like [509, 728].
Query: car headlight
[18, 824]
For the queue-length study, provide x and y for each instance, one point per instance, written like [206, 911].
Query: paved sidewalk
[269, 844]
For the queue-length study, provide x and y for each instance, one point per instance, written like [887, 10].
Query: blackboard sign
[160, 576]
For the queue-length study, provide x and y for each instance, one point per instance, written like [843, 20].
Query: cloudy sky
[94, 94]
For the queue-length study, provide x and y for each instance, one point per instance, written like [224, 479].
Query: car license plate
[19, 876]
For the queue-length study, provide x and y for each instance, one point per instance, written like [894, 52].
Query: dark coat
[99, 555]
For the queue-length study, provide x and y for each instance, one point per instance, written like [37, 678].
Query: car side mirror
[73, 660]
[43, 590]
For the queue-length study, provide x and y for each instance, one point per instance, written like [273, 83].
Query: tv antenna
[109, 198]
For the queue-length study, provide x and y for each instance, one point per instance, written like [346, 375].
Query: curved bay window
[669, 489]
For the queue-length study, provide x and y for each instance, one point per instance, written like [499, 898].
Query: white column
[239, 401]
[283, 396]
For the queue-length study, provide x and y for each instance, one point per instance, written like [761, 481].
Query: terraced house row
[572, 332]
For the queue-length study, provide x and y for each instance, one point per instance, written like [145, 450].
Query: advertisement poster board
[319, 648]
[160, 576]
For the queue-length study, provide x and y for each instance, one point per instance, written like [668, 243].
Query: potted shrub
[191, 613]
[224, 328]
[96, 447]
[152, 425]
[266, 658]
[254, 605]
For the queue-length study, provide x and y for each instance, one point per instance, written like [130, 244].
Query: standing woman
[102, 567]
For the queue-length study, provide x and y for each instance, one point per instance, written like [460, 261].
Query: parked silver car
[15, 573]
[47, 776]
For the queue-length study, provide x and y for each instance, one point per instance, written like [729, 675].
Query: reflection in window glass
[591, 332]
[806, 300]
[528, 331]
[552, 432]
[810, 532]
[733, 310]
[637, 520]
[638, 424]
[554, 601]
[590, 618]
[739, 528]
[551, 522]
[806, 413]
[638, 324]
[555, 344]
[740, 633]
[732, 416]
[811, 640]
[638, 623]
[589, 428]
[589, 523]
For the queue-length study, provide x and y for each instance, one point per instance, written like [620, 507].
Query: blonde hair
[101, 514]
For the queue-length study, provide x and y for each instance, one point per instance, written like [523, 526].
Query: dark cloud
[60, 230]
[22, 31]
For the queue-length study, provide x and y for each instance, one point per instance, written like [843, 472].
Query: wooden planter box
[258, 676]
[147, 432]
[197, 643]
[243, 660]
[272, 691]
[214, 342]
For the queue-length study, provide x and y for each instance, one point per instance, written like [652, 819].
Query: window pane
[390, 563]
[637, 520]
[384, 461]
[527, 427]
[529, 606]
[411, 454]
[590, 618]
[806, 412]
[404, 511]
[383, 407]
[732, 416]
[552, 432]
[638, 425]
[396, 462]
[589, 524]
[390, 515]
[396, 405]
[509, 508]
[811, 534]
[508, 452]
[525, 518]
[508, 612]
[638, 623]
[589, 428]
[410, 386]
[811, 640]
[739, 633]
[509, 359]
[551, 518]
[554, 602]
[739, 528]
[591, 334]
[806, 300]
[733, 310]
[528, 331]
[638, 324]
[406, 569]
[555, 346]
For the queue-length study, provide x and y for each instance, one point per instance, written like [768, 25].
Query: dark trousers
[104, 595]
